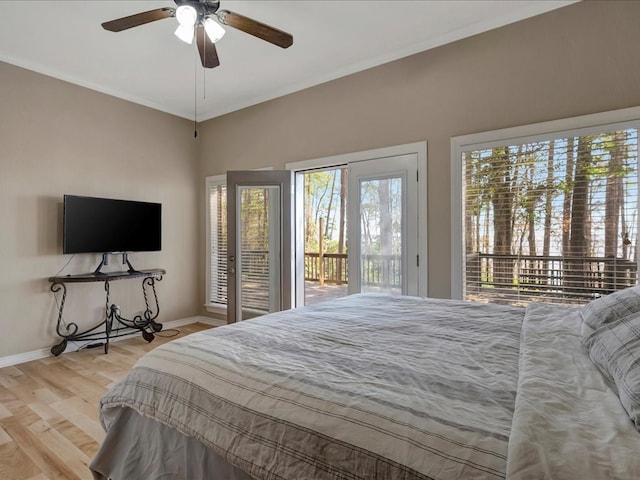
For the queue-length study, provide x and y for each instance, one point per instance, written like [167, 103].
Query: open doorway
[324, 202]
[360, 223]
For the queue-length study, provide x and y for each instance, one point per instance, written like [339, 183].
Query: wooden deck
[315, 293]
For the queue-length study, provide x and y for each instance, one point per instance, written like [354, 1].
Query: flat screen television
[104, 225]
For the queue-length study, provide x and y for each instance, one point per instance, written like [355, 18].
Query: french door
[385, 191]
[265, 267]
[259, 255]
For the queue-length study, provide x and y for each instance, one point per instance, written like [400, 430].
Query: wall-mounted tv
[103, 225]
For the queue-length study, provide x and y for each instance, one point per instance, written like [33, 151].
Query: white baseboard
[16, 359]
[214, 322]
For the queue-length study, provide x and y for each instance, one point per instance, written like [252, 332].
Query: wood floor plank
[32, 448]
[14, 464]
[4, 437]
[4, 411]
[77, 413]
[40, 476]
[73, 458]
[75, 435]
[43, 410]
[49, 424]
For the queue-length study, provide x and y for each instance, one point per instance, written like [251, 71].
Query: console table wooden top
[101, 277]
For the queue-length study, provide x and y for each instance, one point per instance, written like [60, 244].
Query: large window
[547, 217]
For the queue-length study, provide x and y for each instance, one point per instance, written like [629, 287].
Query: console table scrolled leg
[108, 324]
[59, 348]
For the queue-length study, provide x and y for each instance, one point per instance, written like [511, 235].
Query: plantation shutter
[551, 220]
[217, 194]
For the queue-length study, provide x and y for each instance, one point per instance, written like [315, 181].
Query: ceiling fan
[198, 18]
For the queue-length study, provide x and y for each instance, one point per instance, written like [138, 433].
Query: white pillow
[610, 308]
[615, 349]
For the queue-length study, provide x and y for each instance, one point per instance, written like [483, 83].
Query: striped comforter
[368, 386]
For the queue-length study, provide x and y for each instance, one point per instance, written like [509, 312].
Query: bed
[376, 386]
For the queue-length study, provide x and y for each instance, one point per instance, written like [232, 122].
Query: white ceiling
[150, 66]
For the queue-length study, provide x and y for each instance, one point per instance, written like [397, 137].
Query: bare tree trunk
[548, 209]
[485, 242]
[578, 246]
[329, 223]
[532, 200]
[469, 244]
[613, 197]
[568, 194]
[343, 220]
[502, 201]
[588, 239]
[549, 193]
[308, 216]
[385, 229]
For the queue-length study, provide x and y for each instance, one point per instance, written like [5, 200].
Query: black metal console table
[144, 323]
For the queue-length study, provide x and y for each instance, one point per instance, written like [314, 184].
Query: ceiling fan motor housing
[204, 8]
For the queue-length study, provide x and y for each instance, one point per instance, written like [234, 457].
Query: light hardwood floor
[49, 427]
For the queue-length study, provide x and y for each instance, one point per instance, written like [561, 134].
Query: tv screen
[103, 225]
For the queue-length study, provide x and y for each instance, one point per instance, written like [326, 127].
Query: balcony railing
[332, 270]
[377, 270]
[577, 279]
[494, 277]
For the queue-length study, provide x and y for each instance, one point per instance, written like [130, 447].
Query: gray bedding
[368, 386]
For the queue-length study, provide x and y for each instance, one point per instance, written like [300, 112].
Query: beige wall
[57, 138]
[578, 60]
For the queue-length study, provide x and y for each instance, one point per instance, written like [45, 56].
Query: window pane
[258, 253]
[552, 220]
[381, 235]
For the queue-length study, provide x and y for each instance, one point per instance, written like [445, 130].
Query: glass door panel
[383, 226]
[258, 255]
[258, 243]
[381, 246]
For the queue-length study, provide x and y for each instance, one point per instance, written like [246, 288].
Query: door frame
[260, 178]
[417, 148]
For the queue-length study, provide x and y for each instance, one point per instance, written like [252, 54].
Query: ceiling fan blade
[207, 49]
[138, 19]
[255, 28]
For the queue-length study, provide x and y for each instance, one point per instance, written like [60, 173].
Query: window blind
[551, 220]
[255, 249]
[217, 194]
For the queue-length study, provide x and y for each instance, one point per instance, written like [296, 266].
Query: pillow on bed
[609, 308]
[615, 349]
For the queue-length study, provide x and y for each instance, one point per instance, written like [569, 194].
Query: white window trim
[581, 125]
[418, 148]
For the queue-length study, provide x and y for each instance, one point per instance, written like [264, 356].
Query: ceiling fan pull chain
[204, 83]
[195, 97]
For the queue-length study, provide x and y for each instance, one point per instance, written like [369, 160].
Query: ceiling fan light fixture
[214, 31]
[184, 33]
[186, 15]
[187, 18]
